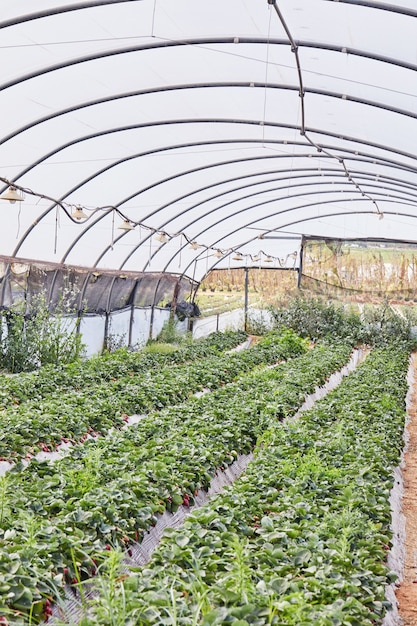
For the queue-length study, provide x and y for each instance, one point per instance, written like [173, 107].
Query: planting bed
[302, 538]
[82, 374]
[59, 521]
[66, 414]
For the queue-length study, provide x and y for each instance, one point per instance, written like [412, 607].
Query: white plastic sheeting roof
[237, 124]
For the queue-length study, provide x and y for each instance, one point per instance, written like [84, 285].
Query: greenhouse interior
[208, 313]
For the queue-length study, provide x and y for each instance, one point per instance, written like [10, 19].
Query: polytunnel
[173, 168]
[145, 142]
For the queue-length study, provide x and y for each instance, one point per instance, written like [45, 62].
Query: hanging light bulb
[162, 237]
[126, 225]
[194, 245]
[218, 254]
[79, 214]
[256, 258]
[12, 195]
[237, 257]
[268, 259]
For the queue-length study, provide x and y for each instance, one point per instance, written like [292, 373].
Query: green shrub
[30, 341]
[382, 325]
[317, 319]
[171, 334]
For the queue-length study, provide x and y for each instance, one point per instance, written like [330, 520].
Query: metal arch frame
[300, 221]
[205, 187]
[227, 85]
[58, 10]
[392, 163]
[199, 169]
[241, 177]
[288, 210]
[191, 193]
[131, 157]
[180, 250]
[379, 6]
[359, 2]
[130, 127]
[209, 166]
[230, 202]
[309, 219]
[136, 93]
[198, 190]
[240, 211]
[205, 41]
[323, 174]
[320, 176]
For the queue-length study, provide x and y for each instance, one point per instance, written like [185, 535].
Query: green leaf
[182, 540]
[303, 556]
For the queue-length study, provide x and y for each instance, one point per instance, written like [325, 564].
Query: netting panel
[360, 269]
[85, 290]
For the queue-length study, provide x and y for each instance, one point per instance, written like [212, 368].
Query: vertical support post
[132, 313]
[174, 300]
[151, 322]
[246, 297]
[78, 322]
[106, 331]
[300, 267]
[132, 310]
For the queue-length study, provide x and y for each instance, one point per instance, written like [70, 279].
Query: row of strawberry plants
[300, 539]
[108, 492]
[81, 374]
[71, 415]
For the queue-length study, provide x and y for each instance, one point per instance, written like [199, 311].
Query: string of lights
[79, 214]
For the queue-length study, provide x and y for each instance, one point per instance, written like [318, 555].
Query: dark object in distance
[185, 309]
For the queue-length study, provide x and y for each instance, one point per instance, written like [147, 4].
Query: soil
[407, 590]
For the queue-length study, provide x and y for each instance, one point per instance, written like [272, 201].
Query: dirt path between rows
[407, 591]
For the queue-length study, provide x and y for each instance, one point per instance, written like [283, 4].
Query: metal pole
[151, 322]
[246, 297]
[300, 267]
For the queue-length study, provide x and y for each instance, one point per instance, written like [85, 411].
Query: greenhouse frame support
[151, 321]
[106, 330]
[300, 267]
[246, 297]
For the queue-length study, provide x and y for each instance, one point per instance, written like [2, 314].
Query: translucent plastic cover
[216, 133]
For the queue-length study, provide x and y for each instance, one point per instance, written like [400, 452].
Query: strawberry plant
[79, 375]
[302, 537]
[75, 414]
[107, 492]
